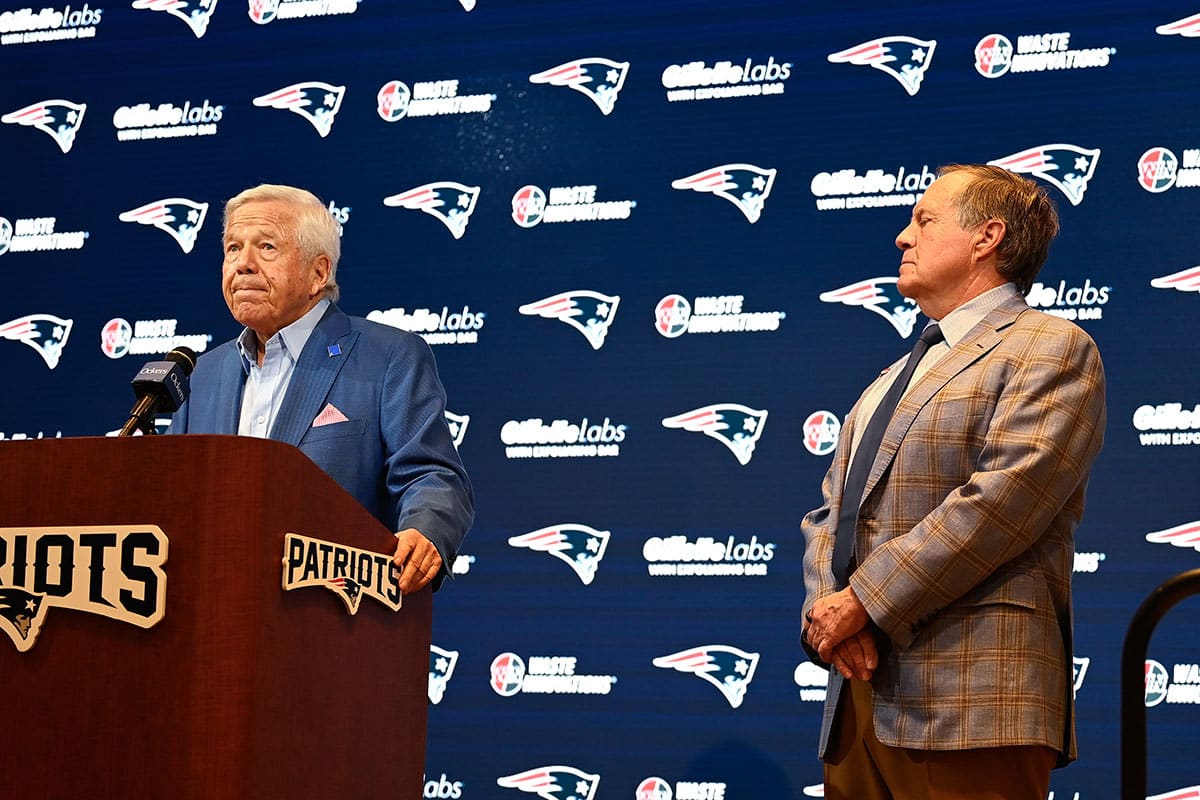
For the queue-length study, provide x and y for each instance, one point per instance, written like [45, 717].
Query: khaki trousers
[860, 767]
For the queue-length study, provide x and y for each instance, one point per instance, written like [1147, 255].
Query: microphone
[160, 385]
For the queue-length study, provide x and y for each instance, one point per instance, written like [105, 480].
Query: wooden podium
[242, 690]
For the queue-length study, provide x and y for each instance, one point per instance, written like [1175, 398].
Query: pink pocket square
[328, 416]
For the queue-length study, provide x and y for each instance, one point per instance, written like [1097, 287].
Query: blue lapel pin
[335, 350]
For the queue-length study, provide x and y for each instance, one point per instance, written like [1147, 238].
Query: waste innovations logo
[674, 316]
[395, 100]
[194, 13]
[656, 788]
[436, 326]
[316, 101]
[590, 313]
[1066, 166]
[544, 675]
[821, 431]
[178, 217]
[58, 119]
[531, 206]
[264, 11]
[1044, 52]
[812, 680]
[144, 122]
[904, 58]
[37, 234]
[1071, 302]
[599, 79]
[554, 782]
[1159, 169]
[879, 296]
[696, 80]
[744, 185]
[581, 547]
[147, 336]
[113, 571]
[1179, 685]
[736, 426]
[441, 669]
[1167, 424]
[450, 202]
[45, 333]
[26, 26]
[846, 189]
[679, 557]
[1186, 536]
[1187, 280]
[725, 667]
[560, 438]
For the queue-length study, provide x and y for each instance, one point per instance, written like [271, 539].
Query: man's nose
[246, 262]
[904, 239]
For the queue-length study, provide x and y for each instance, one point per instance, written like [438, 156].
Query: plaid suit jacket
[965, 538]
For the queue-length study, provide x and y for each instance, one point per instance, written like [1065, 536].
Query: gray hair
[316, 230]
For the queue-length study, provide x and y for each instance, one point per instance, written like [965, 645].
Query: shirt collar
[959, 322]
[292, 337]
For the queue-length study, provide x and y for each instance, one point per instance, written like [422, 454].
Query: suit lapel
[230, 383]
[975, 345]
[322, 358]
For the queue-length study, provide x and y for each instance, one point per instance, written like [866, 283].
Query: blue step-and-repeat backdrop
[651, 244]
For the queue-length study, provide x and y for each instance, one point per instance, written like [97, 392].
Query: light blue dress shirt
[266, 385]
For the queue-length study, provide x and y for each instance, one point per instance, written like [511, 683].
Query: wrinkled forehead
[261, 218]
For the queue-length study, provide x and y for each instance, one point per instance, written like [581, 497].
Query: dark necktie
[864, 456]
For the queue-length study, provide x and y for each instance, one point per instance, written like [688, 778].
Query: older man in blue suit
[362, 400]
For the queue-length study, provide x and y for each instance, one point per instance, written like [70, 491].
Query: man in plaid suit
[950, 641]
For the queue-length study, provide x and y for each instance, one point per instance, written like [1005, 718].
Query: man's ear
[320, 267]
[991, 233]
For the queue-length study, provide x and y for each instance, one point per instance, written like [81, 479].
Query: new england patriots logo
[59, 119]
[1188, 26]
[177, 216]
[1186, 281]
[588, 312]
[1185, 535]
[733, 425]
[904, 58]
[452, 203]
[317, 102]
[441, 668]
[458, 427]
[45, 333]
[1065, 165]
[598, 78]
[881, 296]
[21, 615]
[578, 546]
[744, 185]
[555, 782]
[727, 668]
[196, 13]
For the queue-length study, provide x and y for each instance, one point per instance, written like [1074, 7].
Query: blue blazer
[394, 453]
